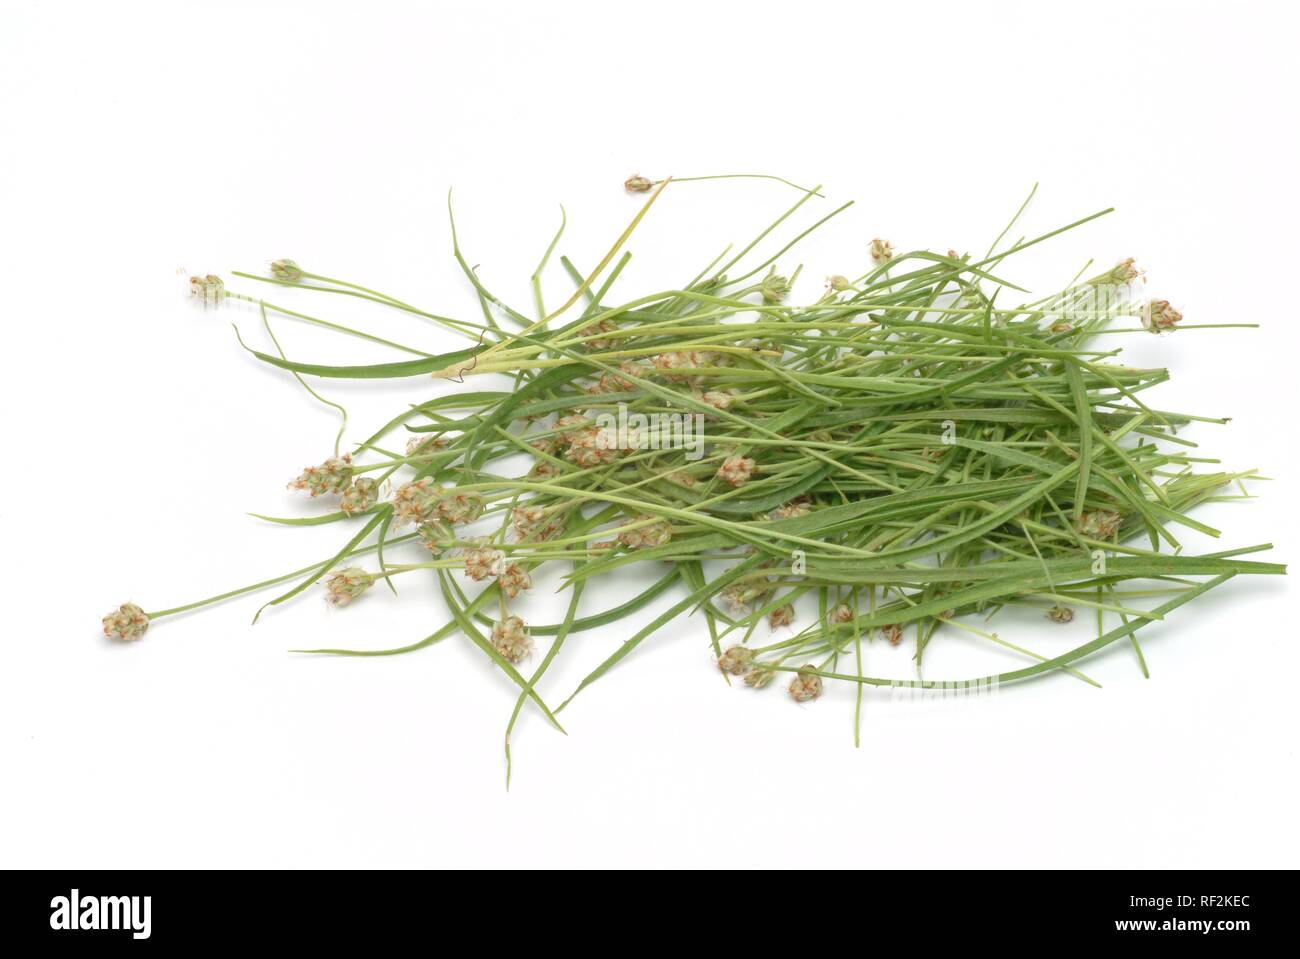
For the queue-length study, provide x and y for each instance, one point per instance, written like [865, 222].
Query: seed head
[1060, 614]
[738, 596]
[514, 579]
[332, 476]
[637, 184]
[420, 449]
[127, 622]
[286, 271]
[805, 687]
[843, 613]
[736, 470]
[610, 382]
[774, 288]
[678, 367]
[658, 533]
[1121, 274]
[483, 562]
[360, 496]
[548, 530]
[791, 510]
[209, 290]
[838, 283]
[510, 638]
[1159, 315]
[718, 399]
[347, 584]
[893, 632]
[599, 342]
[882, 251]
[613, 383]
[781, 616]
[757, 677]
[1099, 524]
[736, 660]
[1063, 327]
[591, 447]
[433, 536]
[566, 424]
[526, 519]
[457, 507]
[417, 501]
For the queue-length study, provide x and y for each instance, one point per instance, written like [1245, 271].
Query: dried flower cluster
[736, 470]
[332, 476]
[656, 532]
[806, 686]
[510, 638]
[346, 585]
[127, 622]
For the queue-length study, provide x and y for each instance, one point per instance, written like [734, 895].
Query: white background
[144, 141]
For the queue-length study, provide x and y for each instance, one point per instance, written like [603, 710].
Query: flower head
[417, 501]
[210, 289]
[526, 519]
[757, 677]
[680, 366]
[332, 476]
[360, 496]
[483, 562]
[514, 579]
[1159, 315]
[510, 638]
[1121, 274]
[736, 470]
[843, 613]
[287, 271]
[127, 622]
[736, 660]
[347, 584]
[1099, 524]
[1060, 614]
[568, 427]
[432, 536]
[838, 283]
[805, 687]
[599, 342]
[882, 251]
[774, 288]
[893, 632]
[637, 184]
[591, 447]
[790, 510]
[738, 596]
[657, 533]
[420, 449]
[457, 507]
[781, 616]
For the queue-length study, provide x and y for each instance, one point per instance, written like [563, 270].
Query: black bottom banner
[336, 909]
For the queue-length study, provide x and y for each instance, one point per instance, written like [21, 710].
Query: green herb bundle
[905, 449]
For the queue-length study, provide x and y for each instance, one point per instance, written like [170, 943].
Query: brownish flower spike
[805, 687]
[128, 622]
